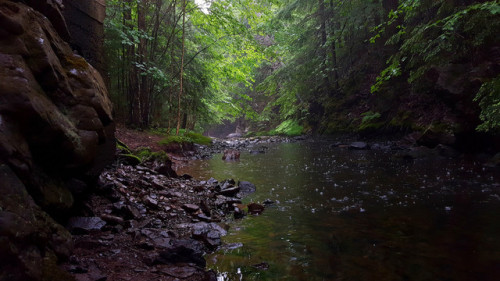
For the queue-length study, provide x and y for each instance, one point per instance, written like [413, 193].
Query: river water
[359, 215]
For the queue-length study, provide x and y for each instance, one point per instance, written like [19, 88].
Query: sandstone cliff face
[56, 134]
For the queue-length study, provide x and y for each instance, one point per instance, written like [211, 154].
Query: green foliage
[123, 148]
[175, 140]
[186, 137]
[198, 138]
[145, 154]
[489, 101]
[289, 128]
[370, 120]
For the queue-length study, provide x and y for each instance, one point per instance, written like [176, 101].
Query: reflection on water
[360, 215]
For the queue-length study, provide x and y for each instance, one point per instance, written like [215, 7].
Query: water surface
[359, 215]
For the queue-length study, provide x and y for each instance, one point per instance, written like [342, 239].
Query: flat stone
[232, 191]
[80, 225]
[190, 207]
[359, 145]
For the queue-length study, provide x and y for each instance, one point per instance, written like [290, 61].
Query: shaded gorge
[359, 215]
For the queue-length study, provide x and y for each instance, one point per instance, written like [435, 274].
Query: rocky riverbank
[143, 225]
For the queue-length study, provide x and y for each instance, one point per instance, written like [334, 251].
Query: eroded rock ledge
[56, 136]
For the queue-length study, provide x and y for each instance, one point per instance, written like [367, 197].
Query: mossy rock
[145, 154]
[129, 159]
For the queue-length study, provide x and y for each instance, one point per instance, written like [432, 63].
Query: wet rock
[229, 192]
[494, 161]
[191, 208]
[447, 151]
[28, 236]
[246, 188]
[112, 220]
[232, 246]
[419, 152]
[150, 202]
[238, 213]
[268, 202]
[182, 272]
[126, 211]
[231, 154]
[187, 251]
[261, 266]
[209, 233]
[223, 201]
[165, 168]
[234, 135]
[255, 209]
[82, 225]
[129, 159]
[359, 145]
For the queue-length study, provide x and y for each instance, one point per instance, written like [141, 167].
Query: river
[359, 215]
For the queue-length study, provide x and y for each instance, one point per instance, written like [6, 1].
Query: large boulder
[55, 115]
[31, 242]
[56, 135]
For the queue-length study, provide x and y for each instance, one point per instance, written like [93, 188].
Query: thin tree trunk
[323, 41]
[182, 67]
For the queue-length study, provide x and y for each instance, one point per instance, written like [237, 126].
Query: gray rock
[82, 225]
[246, 188]
[359, 145]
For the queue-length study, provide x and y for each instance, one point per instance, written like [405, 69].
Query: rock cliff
[56, 135]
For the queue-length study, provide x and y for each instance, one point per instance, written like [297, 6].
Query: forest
[249, 140]
[293, 67]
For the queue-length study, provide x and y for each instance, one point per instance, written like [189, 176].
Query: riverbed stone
[246, 188]
[359, 145]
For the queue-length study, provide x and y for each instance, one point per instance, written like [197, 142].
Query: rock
[229, 192]
[126, 211]
[432, 137]
[191, 208]
[238, 213]
[29, 238]
[494, 161]
[234, 135]
[255, 209]
[113, 220]
[182, 272]
[359, 145]
[209, 233]
[150, 202]
[182, 251]
[261, 266]
[419, 152]
[268, 202]
[231, 154]
[82, 225]
[447, 151]
[246, 188]
[164, 168]
[56, 116]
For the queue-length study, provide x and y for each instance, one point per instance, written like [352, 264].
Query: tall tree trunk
[335, 70]
[132, 89]
[142, 91]
[182, 67]
[323, 41]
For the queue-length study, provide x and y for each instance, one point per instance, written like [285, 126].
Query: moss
[130, 159]
[122, 147]
[77, 62]
[198, 138]
[189, 138]
[145, 154]
[174, 140]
